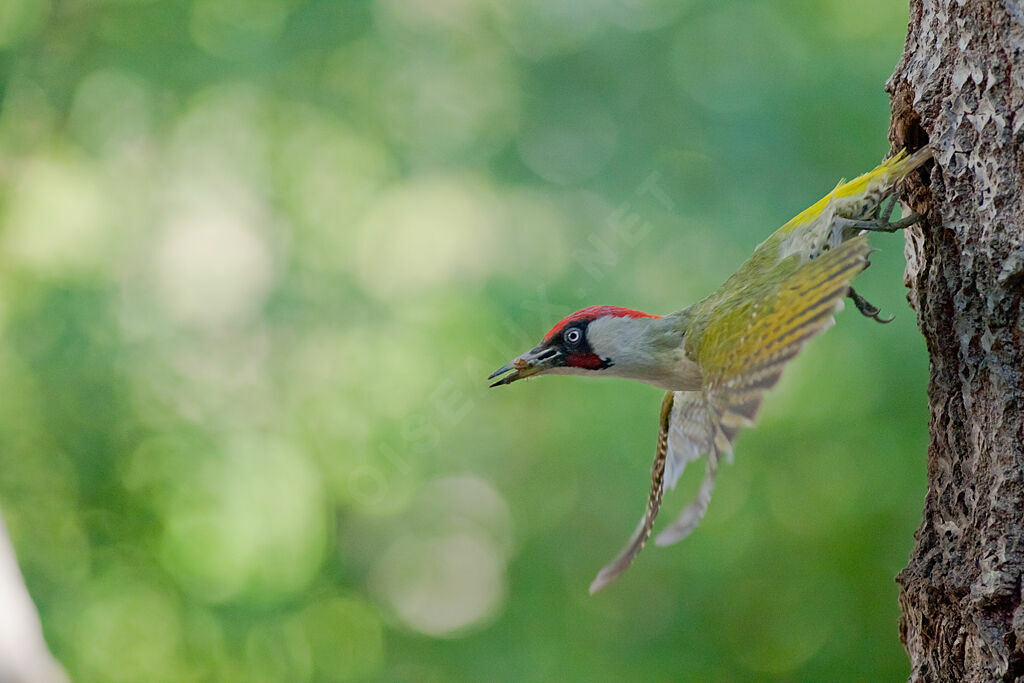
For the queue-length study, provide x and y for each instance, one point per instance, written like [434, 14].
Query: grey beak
[500, 371]
[530, 363]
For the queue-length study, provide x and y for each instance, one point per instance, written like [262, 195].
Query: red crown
[593, 313]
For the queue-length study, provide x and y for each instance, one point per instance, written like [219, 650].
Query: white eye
[573, 336]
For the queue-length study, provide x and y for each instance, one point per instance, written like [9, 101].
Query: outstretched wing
[743, 335]
[742, 355]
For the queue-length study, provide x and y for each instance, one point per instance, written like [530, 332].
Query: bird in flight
[717, 357]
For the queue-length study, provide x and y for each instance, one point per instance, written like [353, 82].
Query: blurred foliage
[258, 256]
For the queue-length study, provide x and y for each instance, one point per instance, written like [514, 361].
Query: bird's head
[591, 341]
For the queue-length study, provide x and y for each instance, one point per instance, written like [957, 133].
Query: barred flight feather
[707, 421]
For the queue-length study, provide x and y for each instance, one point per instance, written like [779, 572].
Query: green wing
[742, 355]
[743, 352]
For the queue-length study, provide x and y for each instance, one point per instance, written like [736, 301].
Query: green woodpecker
[718, 357]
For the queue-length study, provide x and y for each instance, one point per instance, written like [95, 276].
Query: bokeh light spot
[442, 586]
[212, 266]
[401, 248]
[444, 574]
[249, 522]
[76, 234]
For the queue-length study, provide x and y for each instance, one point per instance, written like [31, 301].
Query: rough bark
[960, 88]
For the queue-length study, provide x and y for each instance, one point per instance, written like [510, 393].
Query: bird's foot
[884, 225]
[867, 309]
[880, 221]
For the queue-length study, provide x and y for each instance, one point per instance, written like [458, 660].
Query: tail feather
[859, 197]
[902, 163]
[885, 175]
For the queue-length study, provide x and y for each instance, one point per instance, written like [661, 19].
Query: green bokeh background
[258, 256]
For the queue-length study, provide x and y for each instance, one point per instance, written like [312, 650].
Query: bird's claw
[867, 309]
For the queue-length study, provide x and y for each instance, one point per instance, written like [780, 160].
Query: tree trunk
[960, 87]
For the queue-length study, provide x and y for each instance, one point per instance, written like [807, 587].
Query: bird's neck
[649, 350]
